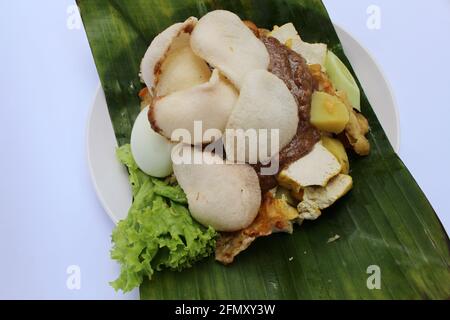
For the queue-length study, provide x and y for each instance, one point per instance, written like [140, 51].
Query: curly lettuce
[158, 232]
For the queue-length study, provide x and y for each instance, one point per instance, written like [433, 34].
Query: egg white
[151, 151]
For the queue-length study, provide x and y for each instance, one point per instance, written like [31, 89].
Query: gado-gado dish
[250, 157]
[243, 132]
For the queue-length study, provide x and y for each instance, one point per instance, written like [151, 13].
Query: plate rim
[98, 193]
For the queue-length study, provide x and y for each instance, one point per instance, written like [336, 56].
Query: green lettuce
[174, 193]
[158, 232]
[136, 176]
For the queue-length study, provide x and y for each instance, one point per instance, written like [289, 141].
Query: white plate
[110, 178]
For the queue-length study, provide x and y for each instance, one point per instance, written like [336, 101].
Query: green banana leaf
[385, 221]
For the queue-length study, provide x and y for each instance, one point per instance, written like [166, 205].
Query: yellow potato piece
[328, 113]
[337, 149]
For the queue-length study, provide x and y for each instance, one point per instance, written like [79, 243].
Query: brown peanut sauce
[290, 67]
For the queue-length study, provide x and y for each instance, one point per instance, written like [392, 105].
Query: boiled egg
[151, 151]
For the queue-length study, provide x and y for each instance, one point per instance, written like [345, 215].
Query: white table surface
[50, 217]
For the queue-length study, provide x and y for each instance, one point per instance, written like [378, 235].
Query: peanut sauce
[290, 67]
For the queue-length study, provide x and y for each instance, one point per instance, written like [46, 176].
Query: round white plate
[110, 178]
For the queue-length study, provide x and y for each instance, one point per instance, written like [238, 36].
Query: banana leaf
[385, 221]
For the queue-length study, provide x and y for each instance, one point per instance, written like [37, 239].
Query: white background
[49, 215]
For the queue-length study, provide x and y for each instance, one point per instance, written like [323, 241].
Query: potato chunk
[328, 113]
[338, 150]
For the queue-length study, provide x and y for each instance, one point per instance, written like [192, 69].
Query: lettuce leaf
[174, 193]
[158, 232]
[136, 176]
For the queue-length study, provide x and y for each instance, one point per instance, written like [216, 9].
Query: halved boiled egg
[151, 151]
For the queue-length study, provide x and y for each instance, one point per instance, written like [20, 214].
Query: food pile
[230, 75]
